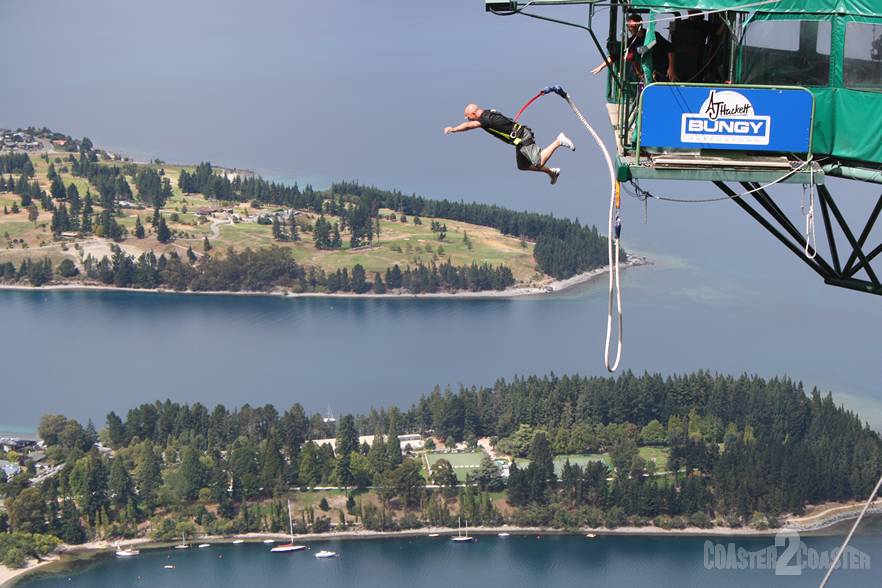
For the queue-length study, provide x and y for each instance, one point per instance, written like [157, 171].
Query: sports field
[463, 462]
[657, 454]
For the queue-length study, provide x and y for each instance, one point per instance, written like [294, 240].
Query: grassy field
[399, 243]
[659, 455]
[462, 463]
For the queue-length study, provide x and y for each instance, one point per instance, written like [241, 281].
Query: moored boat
[287, 547]
[324, 554]
[460, 538]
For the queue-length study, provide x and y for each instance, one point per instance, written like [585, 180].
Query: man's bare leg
[544, 169]
[546, 153]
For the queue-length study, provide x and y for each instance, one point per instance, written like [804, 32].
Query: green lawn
[659, 454]
[462, 463]
[14, 228]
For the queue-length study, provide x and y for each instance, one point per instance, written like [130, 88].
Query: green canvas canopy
[839, 41]
[842, 7]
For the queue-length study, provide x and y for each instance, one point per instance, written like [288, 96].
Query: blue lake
[517, 561]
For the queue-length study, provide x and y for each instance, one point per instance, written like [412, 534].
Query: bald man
[528, 155]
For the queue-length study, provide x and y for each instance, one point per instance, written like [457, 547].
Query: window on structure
[862, 66]
[792, 52]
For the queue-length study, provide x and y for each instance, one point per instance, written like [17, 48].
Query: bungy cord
[613, 238]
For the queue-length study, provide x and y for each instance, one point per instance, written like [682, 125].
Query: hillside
[75, 213]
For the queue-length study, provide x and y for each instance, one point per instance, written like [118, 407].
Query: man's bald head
[472, 112]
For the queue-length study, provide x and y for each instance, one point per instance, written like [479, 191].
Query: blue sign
[726, 117]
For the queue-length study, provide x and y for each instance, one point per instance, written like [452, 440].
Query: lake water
[344, 89]
[517, 561]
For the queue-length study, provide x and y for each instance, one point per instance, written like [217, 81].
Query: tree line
[262, 270]
[750, 444]
[742, 451]
[16, 163]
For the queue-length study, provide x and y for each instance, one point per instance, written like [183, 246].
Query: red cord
[524, 107]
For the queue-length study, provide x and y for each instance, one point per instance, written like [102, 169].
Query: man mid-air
[528, 155]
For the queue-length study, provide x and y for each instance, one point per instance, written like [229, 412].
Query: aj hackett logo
[726, 117]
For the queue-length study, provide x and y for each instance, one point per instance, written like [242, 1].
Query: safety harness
[519, 135]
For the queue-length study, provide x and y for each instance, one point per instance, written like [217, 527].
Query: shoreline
[511, 293]
[68, 553]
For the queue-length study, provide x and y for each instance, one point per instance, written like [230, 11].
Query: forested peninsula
[571, 453]
[75, 214]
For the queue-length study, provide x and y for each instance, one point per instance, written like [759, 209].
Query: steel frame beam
[833, 272]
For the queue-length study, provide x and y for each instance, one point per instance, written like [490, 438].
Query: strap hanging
[811, 243]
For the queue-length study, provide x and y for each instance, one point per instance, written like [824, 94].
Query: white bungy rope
[615, 285]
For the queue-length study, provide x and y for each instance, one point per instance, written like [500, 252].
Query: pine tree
[120, 484]
[271, 466]
[163, 234]
[139, 228]
[206, 244]
[359, 282]
[148, 476]
[60, 220]
[194, 472]
[71, 531]
[393, 446]
[541, 468]
[379, 286]
[57, 189]
[86, 224]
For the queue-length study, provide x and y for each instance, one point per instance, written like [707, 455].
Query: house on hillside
[409, 442]
[9, 468]
[18, 444]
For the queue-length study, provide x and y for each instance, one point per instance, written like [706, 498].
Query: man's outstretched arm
[466, 126]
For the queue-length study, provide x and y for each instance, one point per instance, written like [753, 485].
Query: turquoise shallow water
[514, 561]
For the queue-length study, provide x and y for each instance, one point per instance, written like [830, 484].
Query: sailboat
[183, 544]
[288, 547]
[460, 538]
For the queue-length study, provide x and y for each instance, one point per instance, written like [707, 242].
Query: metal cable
[854, 527]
